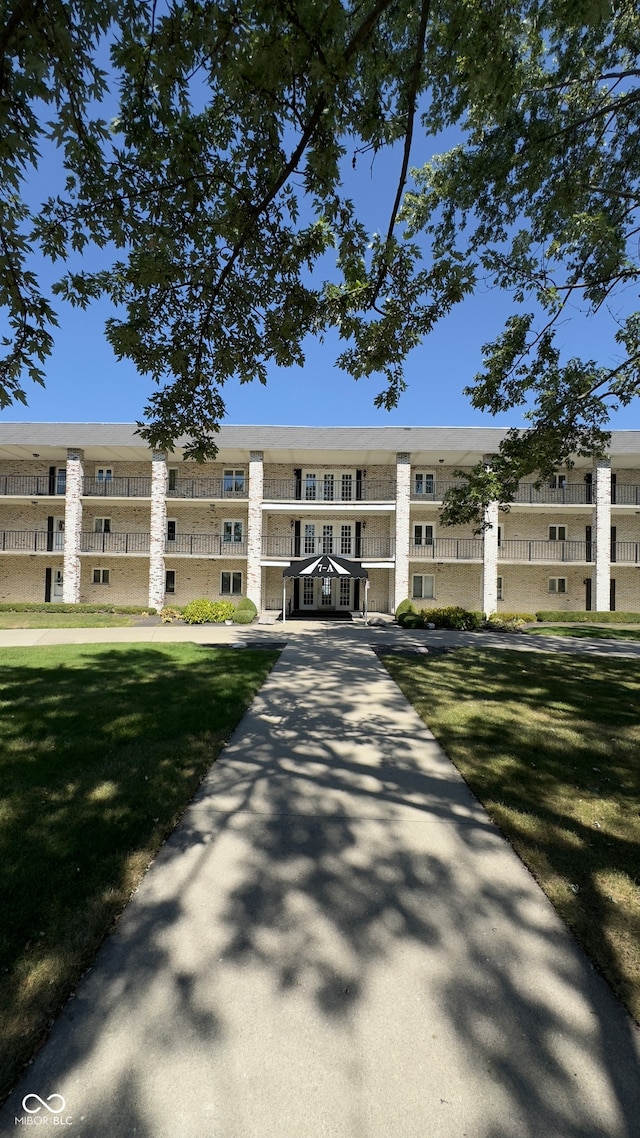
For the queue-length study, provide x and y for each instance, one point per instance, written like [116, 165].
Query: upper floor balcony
[204, 545]
[227, 489]
[114, 543]
[547, 551]
[117, 487]
[449, 549]
[358, 548]
[33, 485]
[329, 488]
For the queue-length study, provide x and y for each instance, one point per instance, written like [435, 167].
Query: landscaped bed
[550, 745]
[585, 631]
[101, 749]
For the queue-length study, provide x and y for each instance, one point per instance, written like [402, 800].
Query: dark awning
[325, 566]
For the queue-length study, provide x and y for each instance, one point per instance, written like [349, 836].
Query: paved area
[336, 941]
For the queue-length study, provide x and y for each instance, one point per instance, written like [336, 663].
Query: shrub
[458, 619]
[245, 611]
[405, 606]
[553, 617]
[201, 611]
[411, 619]
[55, 606]
[523, 617]
[169, 614]
[498, 622]
[222, 610]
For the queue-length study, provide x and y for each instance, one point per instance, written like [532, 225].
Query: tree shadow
[336, 906]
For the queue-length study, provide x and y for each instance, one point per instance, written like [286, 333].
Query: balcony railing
[428, 491]
[204, 545]
[573, 494]
[354, 490]
[203, 488]
[449, 549]
[31, 541]
[625, 552]
[549, 551]
[117, 487]
[114, 543]
[625, 494]
[32, 485]
[358, 548]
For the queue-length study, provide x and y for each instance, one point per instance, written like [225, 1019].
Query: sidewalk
[337, 941]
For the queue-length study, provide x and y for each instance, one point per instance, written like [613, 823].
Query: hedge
[54, 606]
[554, 617]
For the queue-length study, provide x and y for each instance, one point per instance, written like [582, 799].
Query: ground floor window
[231, 583]
[557, 584]
[170, 581]
[499, 592]
[423, 586]
[101, 576]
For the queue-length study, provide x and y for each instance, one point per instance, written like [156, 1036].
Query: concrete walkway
[336, 941]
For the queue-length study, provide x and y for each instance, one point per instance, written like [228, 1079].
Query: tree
[219, 184]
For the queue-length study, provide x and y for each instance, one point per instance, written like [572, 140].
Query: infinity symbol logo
[42, 1103]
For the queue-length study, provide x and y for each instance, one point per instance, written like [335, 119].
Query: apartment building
[88, 513]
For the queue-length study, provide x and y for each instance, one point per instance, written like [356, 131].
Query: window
[328, 487]
[424, 485]
[172, 483]
[423, 535]
[557, 533]
[233, 481]
[558, 481]
[499, 592]
[423, 587]
[309, 539]
[327, 539]
[557, 584]
[102, 525]
[170, 581]
[171, 530]
[231, 583]
[101, 576]
[346, 487]
[232, 531]
[310, 487]
[104, 473]
[345, 541]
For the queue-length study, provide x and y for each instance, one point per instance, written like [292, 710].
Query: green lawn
[551, 745]
[67, 620]
[585, 631]
[101, 748]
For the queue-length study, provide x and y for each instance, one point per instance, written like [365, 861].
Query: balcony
[625, 494]
[547, 551]
[32, 485]
[337, 490]
[204, 545]
[114, 543]
[573, 494]
[31, 541]
[220, 489]
[625, 552]
[117, 488]
[431, 491]
[449, 549]
[359, 548]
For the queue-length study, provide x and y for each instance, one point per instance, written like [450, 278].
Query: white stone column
[157, 529]
[601, 599]
[72, 527]
[254, 529]
[490, 553]
[490, 560]
[403, 522]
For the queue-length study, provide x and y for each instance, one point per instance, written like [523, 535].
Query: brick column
[601, 599]
[403, 511]
[157, 529]
[72, 527]
[490, 554]
[254, 529]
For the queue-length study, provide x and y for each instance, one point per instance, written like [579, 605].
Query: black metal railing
[354, 490]
[549, 551]
[626, 552]
[625, 494]
[300, 547]
[114, 542]
[32, 485]
[219, 488]
[204, 545]
[117, 487]
[31, 541]
[449, 549]
[573, 494]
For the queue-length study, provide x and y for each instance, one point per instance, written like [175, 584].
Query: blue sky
[85, 383]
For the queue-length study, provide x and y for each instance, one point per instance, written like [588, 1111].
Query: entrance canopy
[325, 566]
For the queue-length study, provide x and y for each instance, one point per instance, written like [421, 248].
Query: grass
[585, 631]
[66, 620]
[101, 749]
[550, 745]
